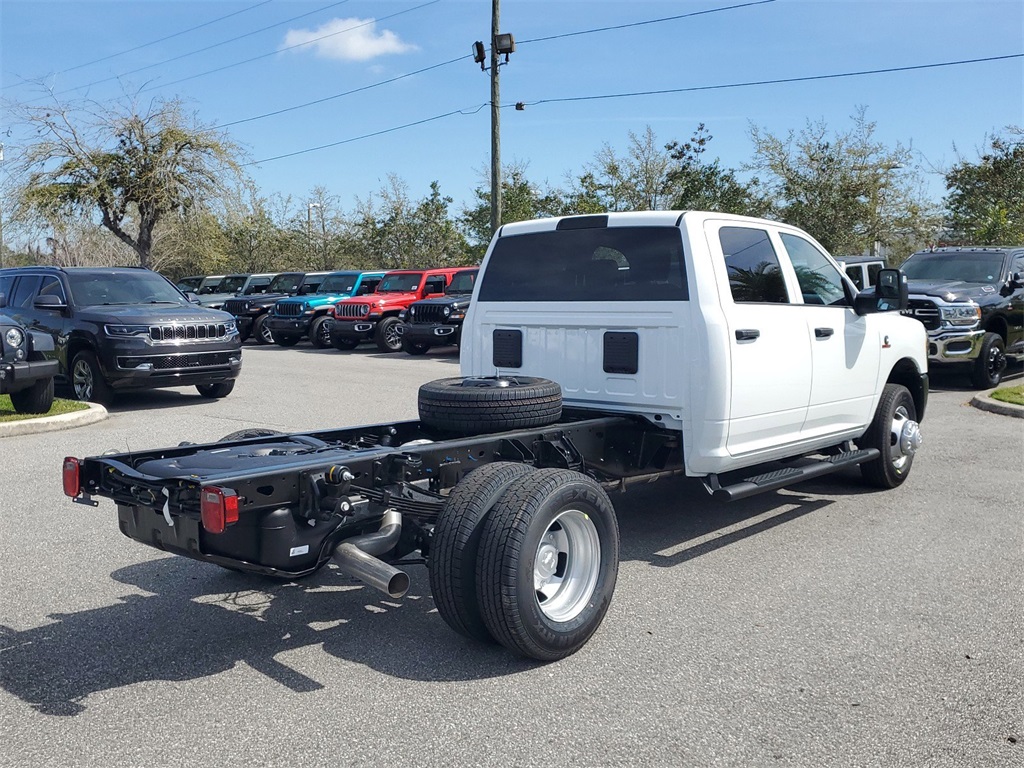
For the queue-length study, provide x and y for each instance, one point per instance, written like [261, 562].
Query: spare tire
[246, 434]
[474, 405]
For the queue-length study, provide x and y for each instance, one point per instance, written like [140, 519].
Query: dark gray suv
[124, 328]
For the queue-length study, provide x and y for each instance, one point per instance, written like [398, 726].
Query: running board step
[780, 478]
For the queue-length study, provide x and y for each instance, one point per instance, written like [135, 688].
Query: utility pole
[495, 121]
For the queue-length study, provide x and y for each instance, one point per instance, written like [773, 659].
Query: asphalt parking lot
[824, 625]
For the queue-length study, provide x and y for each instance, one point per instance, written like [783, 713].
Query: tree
[130, 168]
[696, 185]
[850, 191]
[635, 181]
[985, 200]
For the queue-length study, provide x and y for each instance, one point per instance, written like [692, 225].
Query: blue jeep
[298, 316]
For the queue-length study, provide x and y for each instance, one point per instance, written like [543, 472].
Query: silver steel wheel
[81, 379]
[567, 565]
[266, 334]
[904, 438]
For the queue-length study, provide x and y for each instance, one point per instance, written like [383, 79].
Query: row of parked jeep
[404, 309]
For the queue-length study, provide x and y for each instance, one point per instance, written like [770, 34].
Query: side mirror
[1016, 280]
[49, 302]
[192, 297]
[889, 293]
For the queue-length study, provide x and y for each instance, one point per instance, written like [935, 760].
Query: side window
[50, 286]
[820, 282]
[434, 285]
[369, 285]
[6, 287]
[873, 270]
[753, 266]
[857, 275]
[24, 291]
[258, 285]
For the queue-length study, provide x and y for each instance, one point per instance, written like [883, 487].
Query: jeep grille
[291, 309]
[187, 331]
[236, 306]
[426, 313]
[352, 310]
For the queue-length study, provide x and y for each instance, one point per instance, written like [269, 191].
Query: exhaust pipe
[357, 557]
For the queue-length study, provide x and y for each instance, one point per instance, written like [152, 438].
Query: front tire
[216, 391]
[35, 399]
[547, 565]
[87, 380]
[456, 541]
[261, 332]
[991, 362]
[320, 333]
[894, 431]
[387, 337]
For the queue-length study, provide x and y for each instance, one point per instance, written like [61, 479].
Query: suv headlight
[230, 326]
[961, 314]
[113, 329]
[14, 337]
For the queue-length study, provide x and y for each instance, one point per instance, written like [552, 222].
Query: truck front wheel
[455, 543]
[261, 332]
[896, 434]
[991, 362]
[547, 564]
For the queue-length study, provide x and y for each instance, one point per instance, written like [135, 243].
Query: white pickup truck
[598, 351]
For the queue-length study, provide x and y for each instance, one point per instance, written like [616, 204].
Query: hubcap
[567, 565]
[905, 438]
[266, 334]
[391, 336]
[82, 380]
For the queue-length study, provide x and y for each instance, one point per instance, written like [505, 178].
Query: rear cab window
[590, 264]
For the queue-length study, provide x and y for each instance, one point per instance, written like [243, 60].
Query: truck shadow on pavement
[196, 620]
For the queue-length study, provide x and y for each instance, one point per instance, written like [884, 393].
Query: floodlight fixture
[479, 54]
[504, 44]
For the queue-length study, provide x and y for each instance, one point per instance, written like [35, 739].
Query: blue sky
[187, 49]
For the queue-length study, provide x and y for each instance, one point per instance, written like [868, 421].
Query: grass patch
[7, 412]
[1013, 395]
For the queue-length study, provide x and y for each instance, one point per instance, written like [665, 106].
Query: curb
[983, 401]
[94, 414]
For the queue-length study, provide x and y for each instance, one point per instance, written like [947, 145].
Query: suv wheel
[216, 391]
[35, 399]
[87, 380]
[388, 338]
[261, 332]
[320, 333]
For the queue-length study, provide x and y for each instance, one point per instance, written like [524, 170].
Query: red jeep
[375, 316]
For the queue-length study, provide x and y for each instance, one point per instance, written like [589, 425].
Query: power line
[771, 82]
[207, 48]
[297, 45]
[642, 23]
[164, 39]
[645, 93]
[344, 93]
[467, 111]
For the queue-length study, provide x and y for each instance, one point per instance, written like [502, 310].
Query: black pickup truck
[971, 301]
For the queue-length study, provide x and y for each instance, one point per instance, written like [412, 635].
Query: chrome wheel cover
[567, 565]
[904, 438]
[392, 337]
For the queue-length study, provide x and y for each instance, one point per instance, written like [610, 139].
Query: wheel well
[905, 372]
[998, 325]
[74, 347]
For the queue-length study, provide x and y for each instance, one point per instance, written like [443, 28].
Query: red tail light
[219, 507]
[72, 476]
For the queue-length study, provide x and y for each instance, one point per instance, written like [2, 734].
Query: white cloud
[348, 40]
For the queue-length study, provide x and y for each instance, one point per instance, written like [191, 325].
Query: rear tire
[245, 434]
[387, 337]
[894, 431]
[547, 565]
[320, 333]
[988, 368]
[216, 391]
[474, 405]
[456, 541]
[35, 399]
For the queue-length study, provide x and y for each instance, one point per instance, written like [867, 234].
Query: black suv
[971, 301]
[252, 312]
[124, 328]
[436, 322]
[25, 373]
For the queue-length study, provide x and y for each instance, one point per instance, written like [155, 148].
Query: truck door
[767, 338]
[845, 348]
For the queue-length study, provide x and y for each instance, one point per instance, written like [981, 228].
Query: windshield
[404, 283]
[338, 284]
[463, 282]
[232, 284]
[208, 284]
[122, 287]
[286, 283]
[959, 267]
